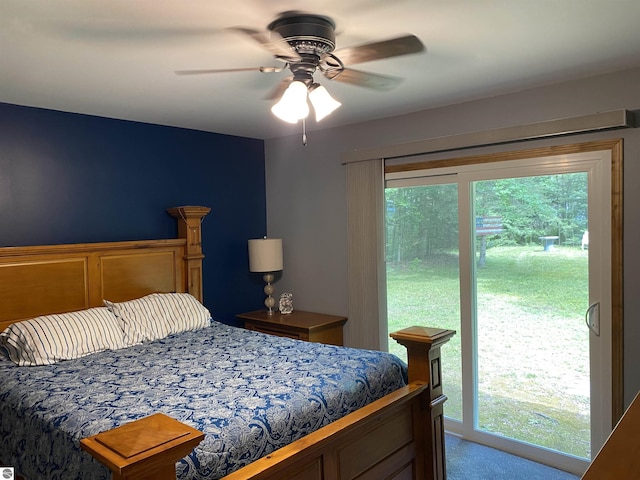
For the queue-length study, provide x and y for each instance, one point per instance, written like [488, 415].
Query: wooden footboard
[384, 440]
[400, 436]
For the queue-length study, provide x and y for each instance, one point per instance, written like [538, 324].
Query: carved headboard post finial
[189, 227]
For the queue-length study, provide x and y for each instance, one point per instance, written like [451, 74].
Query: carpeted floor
[471, 461]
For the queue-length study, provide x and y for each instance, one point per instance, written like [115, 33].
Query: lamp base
[269, 302]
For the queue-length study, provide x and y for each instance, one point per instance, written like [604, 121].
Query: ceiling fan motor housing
[310, 45]
[306, 33]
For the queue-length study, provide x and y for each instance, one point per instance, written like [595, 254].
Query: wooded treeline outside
[422, 222]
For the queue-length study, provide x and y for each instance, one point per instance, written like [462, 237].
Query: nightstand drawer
[307, 326]
[274, 330]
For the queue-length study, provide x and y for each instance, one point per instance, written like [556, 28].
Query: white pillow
[158, 315]
[48, 339]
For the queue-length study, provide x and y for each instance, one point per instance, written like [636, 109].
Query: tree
[421, 221]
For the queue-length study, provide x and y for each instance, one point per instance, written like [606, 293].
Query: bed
[345, 413]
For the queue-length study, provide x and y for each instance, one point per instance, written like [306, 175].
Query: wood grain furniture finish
[41, 280]
[399, 437]
[390, 438]
[307, 326]
[619, 457]
[423, 346]
[146, 449]
[383, 440]
[189, 221]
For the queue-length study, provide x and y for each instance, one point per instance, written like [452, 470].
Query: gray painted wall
[306, 201]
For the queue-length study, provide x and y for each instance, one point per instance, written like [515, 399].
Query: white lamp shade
[323, 103]
[265, 255]
[293, 105]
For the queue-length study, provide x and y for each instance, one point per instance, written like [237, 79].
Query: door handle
[592, 318]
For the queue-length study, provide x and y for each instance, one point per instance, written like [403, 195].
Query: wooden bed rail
[619, 458]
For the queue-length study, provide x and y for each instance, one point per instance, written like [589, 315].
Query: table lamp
[265, 256]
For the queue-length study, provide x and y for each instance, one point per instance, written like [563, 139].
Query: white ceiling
[116, 58]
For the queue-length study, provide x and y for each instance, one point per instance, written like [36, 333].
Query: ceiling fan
[305, 43]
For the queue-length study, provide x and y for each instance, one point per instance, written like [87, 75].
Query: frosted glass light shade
[265, 255]
[323, 103]
[293, 105]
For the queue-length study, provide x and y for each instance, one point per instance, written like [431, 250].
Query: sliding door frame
[615, 147]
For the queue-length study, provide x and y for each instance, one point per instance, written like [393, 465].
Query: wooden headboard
[40, 280]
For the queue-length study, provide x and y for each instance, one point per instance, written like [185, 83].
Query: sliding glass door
[501, 254]
[423, 271]
[531, 341]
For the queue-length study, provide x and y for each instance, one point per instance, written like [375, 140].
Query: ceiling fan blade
[364, 79]
[278, 91]
[273, 42]
[228, 70]
[379, 50]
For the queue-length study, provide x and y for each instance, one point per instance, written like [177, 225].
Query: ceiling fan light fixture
[293, 105]
[323, 103]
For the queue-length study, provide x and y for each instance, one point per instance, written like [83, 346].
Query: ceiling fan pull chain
[304, 132]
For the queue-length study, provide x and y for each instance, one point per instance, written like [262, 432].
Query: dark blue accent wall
[70, 178]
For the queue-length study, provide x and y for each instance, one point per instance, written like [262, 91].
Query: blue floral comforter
[249, 393]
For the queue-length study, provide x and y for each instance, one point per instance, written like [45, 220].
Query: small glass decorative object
[286, 303]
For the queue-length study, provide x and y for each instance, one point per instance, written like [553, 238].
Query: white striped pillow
[159, 314]
[48, 339]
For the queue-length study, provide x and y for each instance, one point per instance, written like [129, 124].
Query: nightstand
[308, 326]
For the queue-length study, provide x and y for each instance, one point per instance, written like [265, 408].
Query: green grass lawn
[533, 370]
